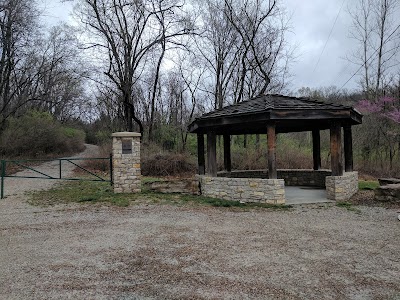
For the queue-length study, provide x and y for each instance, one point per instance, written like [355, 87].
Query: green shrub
[36, 134]
[167, 137]
[97, 137]
[368, 185]
[103, 137]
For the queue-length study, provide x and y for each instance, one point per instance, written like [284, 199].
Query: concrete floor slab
[305, 195]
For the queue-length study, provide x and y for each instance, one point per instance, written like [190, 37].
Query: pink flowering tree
[385, 114]
[387, 107]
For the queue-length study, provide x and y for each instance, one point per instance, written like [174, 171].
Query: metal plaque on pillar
[126, 146]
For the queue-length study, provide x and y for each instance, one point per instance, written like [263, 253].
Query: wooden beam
[271, 136]
[348, 148]
[227, 153]
[316, 139]
[336, 150]
[200, 154]
[211, 154]
[310, 114]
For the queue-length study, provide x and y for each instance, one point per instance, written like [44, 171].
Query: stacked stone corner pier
[243, 189]
[126, 162]
[341, 188]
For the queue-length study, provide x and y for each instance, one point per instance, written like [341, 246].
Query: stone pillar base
[126, 162]
[341, 188]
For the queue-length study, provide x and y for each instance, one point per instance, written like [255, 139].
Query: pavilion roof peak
[269, 102]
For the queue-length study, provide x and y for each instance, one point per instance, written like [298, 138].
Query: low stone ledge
[386, 181]
[188, 186]
[388, 193]
[243, 189]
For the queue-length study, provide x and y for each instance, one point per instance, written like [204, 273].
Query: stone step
[386, 181]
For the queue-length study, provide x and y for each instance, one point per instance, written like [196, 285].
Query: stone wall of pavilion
[297, 177]
[243, 189]
[341, 188]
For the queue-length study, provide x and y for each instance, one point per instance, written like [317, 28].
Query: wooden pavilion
[273, 114]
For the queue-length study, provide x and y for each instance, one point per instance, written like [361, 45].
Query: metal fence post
[60, 168]
[3, 174]
[111, 169]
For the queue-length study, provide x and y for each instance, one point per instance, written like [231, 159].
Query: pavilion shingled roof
[289, 114]
[272, 102]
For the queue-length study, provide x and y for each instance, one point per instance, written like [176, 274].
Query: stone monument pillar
[126, 162]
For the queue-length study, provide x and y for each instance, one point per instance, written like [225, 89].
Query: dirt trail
[17, 187]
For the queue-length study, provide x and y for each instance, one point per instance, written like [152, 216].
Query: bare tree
[58, 85]
[264, 62]
[218, 47]
[171, 30]
[17, 25]
[375, 30]
[128, 31]
[243, 43]
[191, 74]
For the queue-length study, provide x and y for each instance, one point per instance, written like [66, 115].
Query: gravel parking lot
[171, 252]
[94, 251]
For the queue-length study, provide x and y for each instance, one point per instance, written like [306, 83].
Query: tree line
[152, 66]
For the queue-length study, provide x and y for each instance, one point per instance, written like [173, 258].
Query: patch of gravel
[170, 252]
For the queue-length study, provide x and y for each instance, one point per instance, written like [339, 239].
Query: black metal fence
[25, 165]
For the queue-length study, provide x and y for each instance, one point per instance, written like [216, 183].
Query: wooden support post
[200, 154]
[211, 154]
[271, 136]
[348, 148]
[336, 150]
[227, 153]
[316, 139]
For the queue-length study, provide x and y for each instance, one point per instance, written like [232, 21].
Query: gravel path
[170, 252]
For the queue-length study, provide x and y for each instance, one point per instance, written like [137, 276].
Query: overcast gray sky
[312, 21]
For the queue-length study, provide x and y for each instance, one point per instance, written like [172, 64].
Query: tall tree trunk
[382, 20]
[155, 85]
[128, 112]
